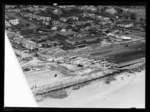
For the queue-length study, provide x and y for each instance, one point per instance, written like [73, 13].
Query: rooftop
[66, 33]
[84, 38]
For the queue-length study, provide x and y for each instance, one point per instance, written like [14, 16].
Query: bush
[109, 79]
[26, 69]
[60, 94]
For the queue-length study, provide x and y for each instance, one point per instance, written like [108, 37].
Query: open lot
[116, 53]
[40, 78]
[121, 53]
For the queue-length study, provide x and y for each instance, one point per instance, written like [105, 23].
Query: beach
[126, 92]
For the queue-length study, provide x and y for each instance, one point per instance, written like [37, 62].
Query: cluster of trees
[133, 16]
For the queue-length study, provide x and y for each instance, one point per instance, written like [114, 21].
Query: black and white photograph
[79, 56]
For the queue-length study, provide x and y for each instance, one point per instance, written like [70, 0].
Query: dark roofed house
[76, 41]
[83, 40]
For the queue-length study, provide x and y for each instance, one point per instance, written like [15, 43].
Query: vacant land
[121, 53]
[127, 56]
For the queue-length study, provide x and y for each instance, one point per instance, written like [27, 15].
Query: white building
[111, 10]
[126, 38]
[63, 30]
[55, 22]
[14, 22]
[7, 24]
[54, 28]
[63, 19]
[125, 25]
[28, 44]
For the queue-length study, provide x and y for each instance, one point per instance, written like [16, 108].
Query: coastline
[102, 95]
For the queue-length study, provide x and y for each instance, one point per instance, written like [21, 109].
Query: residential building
[125, 25]
[7, 24]
[55, 22]
[28, 44]
[14, 22]
[111, 10]
[63, 30]
[83, 40]
[54, 28]
[63, 19]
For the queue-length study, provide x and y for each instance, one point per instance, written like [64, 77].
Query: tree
[133, 16]
[120, 11]
[141, 19]
[126, 16]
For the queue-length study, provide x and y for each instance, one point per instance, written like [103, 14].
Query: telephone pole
[20, 53]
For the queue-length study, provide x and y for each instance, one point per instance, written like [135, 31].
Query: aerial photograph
[80, 55]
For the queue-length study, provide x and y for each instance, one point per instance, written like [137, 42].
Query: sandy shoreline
[127, 92]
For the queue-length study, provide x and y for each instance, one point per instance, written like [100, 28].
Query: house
[47, 18]
[7, 24]
[128, 25]
[6, 16]
[125, 9]
[126, 38]
[83, 40]
[63, 19]
[73, 18]
[90, 21]
[106, 19]
[15, 10]
[85, 15]
[46, 23]
[111, 10]
[35, 6]
[63, 30]
[54, 28]
[125, 25]
[57, 11]
[92, 15]
[14, 22]
[92, 8]
[28, 44]
[67, 32]
[87, 27]
[103, 18]
[110, 34]
[55, 22]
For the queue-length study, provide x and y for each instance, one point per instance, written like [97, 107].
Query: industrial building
[77, 41]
